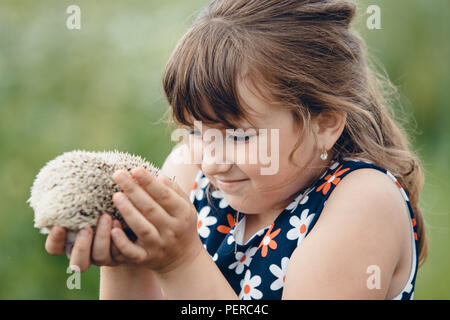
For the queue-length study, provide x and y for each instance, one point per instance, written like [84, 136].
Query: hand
[161, 216]
[88, 249]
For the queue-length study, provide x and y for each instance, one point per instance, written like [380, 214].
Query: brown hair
[305, 57]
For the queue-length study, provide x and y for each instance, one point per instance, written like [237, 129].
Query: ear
[328, 128]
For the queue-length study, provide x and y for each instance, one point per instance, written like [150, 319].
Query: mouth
[230, 184]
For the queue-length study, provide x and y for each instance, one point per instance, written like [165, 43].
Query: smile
[230, 184]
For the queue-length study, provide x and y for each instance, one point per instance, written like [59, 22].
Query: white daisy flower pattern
[197, 191]
[248, 287]
[334, 165]
[243, 259]
[219, 195]
[280, 273]
[294, 204]
[300, 226]
[204, 221]
[230, 239]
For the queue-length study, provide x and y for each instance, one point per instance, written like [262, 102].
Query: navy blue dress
[257, 268]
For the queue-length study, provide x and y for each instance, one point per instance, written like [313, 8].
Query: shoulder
[178, 165]
[372, 192]
[357, 229]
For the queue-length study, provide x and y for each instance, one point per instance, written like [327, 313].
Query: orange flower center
[302, 228]
[199, 224]
[246, 289]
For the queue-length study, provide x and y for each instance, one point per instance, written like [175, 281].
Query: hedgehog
[75, 188]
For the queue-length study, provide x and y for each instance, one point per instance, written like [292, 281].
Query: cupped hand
[162, 217]
[88, 248]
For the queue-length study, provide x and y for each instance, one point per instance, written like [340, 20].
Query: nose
[214, 161]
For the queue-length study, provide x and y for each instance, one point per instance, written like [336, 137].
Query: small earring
[324, 155]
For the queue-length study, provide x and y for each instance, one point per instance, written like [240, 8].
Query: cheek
[279, 144]
[261, 195]
[276, 155]
[245, 154]
[195, 147]
[263, 185]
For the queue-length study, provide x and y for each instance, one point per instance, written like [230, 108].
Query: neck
[257, 221]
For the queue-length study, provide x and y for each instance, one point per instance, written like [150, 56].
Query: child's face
[254, 192]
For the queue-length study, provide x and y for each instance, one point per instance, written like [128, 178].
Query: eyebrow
[240, 124]
[247, 126]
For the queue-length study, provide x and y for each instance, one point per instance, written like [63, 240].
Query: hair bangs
[201, 78]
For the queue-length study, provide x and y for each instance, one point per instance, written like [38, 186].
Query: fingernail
[138, 172]
[120, 176]
[163, 179]
[58, 231]
[84, 232]
[114, 233]
[104, 220]
[119, 197]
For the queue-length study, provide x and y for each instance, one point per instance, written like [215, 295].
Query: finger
[174, 186]
[117, 224]
[142, 200]
[81, 252]
[116, 255]
[127, 248]
[102, 242]
[143, 228]
[55, 242]
[167, 198]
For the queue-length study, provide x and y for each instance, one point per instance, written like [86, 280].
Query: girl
[339, 219]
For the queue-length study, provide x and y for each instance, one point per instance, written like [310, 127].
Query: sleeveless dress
[256, 269]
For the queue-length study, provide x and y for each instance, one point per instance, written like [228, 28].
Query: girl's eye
[240, 138]
[195, 132]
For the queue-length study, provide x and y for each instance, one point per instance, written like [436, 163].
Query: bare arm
[201, 279]
[358, 230]
[128, 282]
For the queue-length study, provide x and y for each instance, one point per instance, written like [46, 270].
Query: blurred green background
[99, 88]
